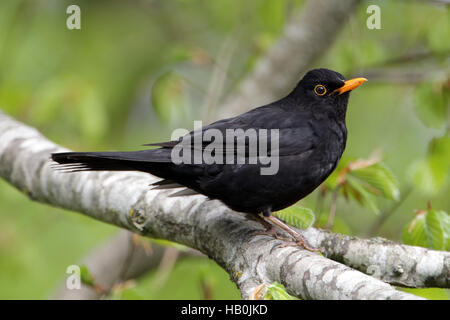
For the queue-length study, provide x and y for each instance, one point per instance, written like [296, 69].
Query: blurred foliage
[340, 225]
[431, 174]
[186, 280]
[168, 97]
[431, 103]
[137, 70]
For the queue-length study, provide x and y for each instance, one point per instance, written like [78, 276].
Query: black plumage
[312, 137]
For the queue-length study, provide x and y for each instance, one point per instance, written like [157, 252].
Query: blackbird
[310, 131]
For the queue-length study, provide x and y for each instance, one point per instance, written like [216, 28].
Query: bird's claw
[288, 242]
[270, 232]
[301, 243]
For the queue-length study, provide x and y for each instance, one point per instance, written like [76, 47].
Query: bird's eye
[320, 90]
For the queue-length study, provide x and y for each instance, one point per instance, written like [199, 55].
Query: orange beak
[350, 85]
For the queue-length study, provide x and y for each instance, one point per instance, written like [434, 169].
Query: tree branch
[117, 260]
[125, 199]
[390, 262]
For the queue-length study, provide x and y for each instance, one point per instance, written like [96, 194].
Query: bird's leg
[270, 230]
[299, 239]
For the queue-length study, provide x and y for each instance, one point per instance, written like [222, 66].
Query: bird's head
[325, 89]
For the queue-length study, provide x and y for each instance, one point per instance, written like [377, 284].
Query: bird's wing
[295, 135]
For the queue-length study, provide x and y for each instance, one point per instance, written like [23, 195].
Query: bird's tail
[111, 161]
[156, 161]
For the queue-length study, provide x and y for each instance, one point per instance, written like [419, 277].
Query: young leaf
[363, 180]
[414, 233]
[86, 276]
[299, 217]
[364, 197]
[381, 179]
[437, 227]
[276, 291]
[430, 229]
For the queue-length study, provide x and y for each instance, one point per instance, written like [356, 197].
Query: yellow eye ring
[320, 90]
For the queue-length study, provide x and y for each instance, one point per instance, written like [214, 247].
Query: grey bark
[125, 199]
[388, 261]
[115, 261]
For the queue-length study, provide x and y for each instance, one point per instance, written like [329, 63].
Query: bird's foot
[270, 232]
[297, 239]
[300, 241]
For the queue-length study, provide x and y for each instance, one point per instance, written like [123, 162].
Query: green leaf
[430, 229]
[86, 276]
[414, 233]
[299, 217]
[363, 180]
[358, 192]
[434, 230]
[276, 291]
[437, 229]
[380, 177]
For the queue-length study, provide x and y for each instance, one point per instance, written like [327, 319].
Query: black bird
[311, 139]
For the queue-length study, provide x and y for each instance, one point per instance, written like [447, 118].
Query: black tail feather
[96, 161]
[156, 162]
